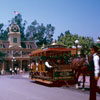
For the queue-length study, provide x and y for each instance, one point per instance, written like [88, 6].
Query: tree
[61, 36]
[87, 43]
[40, 39]
[1, 28]
[35, 32]
[68, 39]
[31, 31]
[1, 31]
[40, 33]
[49, 33]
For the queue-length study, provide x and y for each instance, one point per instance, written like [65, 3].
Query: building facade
[17, 51]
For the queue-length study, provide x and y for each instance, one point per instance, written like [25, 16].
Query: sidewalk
[26, 75]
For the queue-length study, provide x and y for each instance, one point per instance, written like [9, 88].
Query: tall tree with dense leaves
[61, 36]
[31, 31]
[3, 33]
[49, 33]
[1, 30]
[40, 33]
[68, 39]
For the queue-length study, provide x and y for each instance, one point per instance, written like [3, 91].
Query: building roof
[24, 44]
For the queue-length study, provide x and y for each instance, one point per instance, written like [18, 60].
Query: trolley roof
[52, 50]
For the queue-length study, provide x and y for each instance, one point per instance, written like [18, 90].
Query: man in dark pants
[94, 76]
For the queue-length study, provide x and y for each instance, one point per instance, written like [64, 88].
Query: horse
[79, 67]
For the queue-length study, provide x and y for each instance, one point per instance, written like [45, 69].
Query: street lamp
[98, 40]
[77, 46]
[73, 47]
[76, 42]
[98, 43]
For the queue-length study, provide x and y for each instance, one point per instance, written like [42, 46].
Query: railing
[62, 72]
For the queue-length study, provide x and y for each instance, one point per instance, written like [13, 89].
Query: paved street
[87, 81]
[21, 88]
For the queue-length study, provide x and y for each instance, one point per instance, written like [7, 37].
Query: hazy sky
[78, 16]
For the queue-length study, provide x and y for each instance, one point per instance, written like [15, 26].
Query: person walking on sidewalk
[94, 75]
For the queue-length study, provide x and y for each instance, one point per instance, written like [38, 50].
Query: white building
[16, 50]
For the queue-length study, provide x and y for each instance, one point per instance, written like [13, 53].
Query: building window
[15, 40]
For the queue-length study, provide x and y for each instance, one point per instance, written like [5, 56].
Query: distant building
[16, 51]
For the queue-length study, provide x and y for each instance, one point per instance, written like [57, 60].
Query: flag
[16, 12]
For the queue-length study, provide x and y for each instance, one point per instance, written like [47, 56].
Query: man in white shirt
[47, 65]
[95, 70]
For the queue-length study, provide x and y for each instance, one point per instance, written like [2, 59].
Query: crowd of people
[12, 71]
[49, 64]
[16, 70]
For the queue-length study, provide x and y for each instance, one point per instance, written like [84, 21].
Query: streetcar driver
[48, 67]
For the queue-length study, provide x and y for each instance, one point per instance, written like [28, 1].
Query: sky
[81, 17]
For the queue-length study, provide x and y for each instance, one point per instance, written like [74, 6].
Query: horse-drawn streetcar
[59, 56]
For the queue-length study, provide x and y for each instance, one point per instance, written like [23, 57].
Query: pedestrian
[10, 71]
[2, 72]
[21, 71]
[94, 73]
[49, 67]
[15, 70]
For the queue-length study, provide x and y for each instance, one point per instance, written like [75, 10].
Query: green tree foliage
[40, 33]
[68, 39]
[3, 33]
[1, 30]
[35, 32]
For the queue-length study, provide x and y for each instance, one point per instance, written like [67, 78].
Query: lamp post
[98, 43]
[98, 40]
[77, 46]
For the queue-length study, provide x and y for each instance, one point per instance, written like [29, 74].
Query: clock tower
[14, 36]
